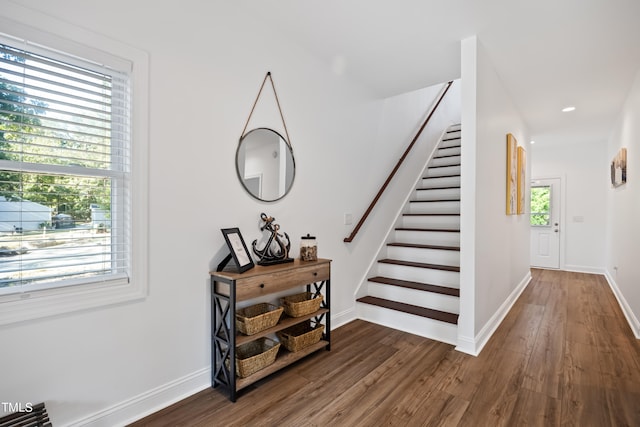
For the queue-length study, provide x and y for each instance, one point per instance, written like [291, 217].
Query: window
[69, 218]
[64, 145]
[541, 205]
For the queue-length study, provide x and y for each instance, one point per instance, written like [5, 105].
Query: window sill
[39, 304]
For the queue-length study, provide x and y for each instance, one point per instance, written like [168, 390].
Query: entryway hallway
[564, 355]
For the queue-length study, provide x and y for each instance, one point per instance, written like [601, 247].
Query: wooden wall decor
[619, 168]
[512, 175]
[522, 183]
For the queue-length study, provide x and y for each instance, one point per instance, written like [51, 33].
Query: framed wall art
[522, 182]
[512, 175]
[619, 168]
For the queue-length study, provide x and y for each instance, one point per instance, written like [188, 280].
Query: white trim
[633, 321]
[584, 269]
[421, 326]
[467, 345]
[561, 217]
[468, 191]
[149, 402]
[18, 21]
[69, 299]
[474, 346]
[342, 318]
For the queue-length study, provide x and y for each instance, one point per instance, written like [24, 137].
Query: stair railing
[396, 168]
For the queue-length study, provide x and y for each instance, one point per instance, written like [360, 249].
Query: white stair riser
[450, 181]
[445, 161]
[428, 328]
[431, 300]
[450, 143]
[439, 170]
[431, 256]
[449, 170]
[448, 151]
[416, 274]
[438, 194]
[434, 207]
[446, 222]
[428, 237]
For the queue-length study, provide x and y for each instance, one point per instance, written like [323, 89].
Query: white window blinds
[64, 170]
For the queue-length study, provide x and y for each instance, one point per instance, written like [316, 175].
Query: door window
[541, 205]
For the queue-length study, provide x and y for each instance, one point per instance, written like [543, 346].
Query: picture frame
[238, 250]
[512, 175]
[522, 173]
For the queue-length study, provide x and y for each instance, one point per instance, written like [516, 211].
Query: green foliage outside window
[27, 135]
[540, 205]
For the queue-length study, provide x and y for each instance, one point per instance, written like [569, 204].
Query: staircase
[417, 286]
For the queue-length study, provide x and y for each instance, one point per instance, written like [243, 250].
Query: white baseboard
[633, 321]
[467, 345]
[167, 394]
[341, 319]
[149, 402]
[584, 269]
[474, 345]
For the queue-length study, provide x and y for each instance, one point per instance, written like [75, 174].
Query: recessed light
[532, 142]
[567, 109]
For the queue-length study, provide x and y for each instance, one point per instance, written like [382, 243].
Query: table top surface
[268, 269]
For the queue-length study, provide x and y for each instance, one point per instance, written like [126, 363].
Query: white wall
[494, 246]
[584, 171]
[207, 60]
[623, 203]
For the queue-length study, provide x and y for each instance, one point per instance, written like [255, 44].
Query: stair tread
[441, 176]
[452, 139]
[442, 316]
[445, 166]
[447, 156]
[435, 200]
[444, 290]
[431, 214]
[438, 188]
[422, 246]
[445, 230]
[420, 264]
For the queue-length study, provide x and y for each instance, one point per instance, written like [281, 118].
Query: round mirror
[265, 165]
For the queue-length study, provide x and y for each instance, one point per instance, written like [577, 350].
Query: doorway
[545, 223]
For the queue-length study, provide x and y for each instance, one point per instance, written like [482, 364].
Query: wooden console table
[229, 289]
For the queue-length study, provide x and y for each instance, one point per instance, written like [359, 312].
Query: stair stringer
[361, 290]
[422, 326]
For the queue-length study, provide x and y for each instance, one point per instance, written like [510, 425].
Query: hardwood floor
[564, 355]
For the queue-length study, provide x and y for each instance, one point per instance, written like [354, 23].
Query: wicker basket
[300, 336]
[301, 304]
[255, 355]
[256, 318]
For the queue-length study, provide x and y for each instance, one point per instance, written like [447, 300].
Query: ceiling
[548, 53]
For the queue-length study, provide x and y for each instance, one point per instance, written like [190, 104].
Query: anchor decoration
[276, 250]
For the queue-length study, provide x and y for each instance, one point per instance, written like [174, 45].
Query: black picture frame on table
[238, 251]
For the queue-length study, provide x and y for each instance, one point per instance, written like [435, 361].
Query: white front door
[545, 223]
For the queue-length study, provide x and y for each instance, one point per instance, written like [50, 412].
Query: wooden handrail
[395, 169]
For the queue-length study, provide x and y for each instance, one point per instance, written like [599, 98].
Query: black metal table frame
[223, 330]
